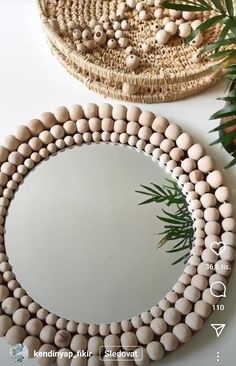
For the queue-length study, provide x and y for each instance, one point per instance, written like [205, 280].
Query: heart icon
[217, 247]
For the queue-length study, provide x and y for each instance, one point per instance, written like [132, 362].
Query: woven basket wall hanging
[164, 72]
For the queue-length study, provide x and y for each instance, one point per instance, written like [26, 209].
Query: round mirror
[79, 241]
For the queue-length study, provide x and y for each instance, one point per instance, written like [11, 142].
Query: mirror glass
[80, 243]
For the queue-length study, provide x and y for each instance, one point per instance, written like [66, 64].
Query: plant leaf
[224, 125]
[231, 163]
[229, 110]
[218, 5]
[226, 139]
[229, 7]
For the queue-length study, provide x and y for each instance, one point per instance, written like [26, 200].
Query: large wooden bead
[211, 214]
[199, 282]
[202, 187]
[5, 324]
[79, 342]
[156, 138]
[10, 305]
[182, 333]
[172, 316]
[194, 321]
[203, 309]
[33, 344]
[145, 133]
[4, 292]
[21, 316]
[91, 110]
[136, 321]
[196, 152]
[105, 110]
[47, 334]
[35, 143]
[22, 133]
[209, 298]
[176, 154]
[209, 256]
[35, 126]
[208, 200]
[228, 254]
[222, 194]
[160, 124]
[94, 345]
[48, 119]
[183, 305]
[62, 338]
[61, 114]
[146, 118]
[226, 210]
[112, 342]
[129, 341]
[205, 164]
[15, 334]
[144, 334]
[3, 154]
[120, 126]
[164, 304]
[192, 294]
[184, 141]
[156, 311]
[158, 326]
[25, 149]
[196, 176]
[169, 341]
[155, 350]
[45, 349]
[15, 158]
[76, 112]
[173, 131]
[212, 228]
[34, 327]
[228, 238]
[188, 165]
[11, 143]
[133, 113]
[141, 357]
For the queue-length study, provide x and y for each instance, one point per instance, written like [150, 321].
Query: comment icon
[214, 289]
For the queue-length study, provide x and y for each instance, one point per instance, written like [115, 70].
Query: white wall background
[31, 81]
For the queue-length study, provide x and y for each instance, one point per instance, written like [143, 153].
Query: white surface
[31, 81]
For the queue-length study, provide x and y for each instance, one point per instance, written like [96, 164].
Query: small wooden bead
[164, 158]
[169, 341]
[196, 176]
[136, 322]
[215, 179]
[107, 124]
[192, 294]
[209, 256]
[171, 28]
[197, 41]
[25, 149]
[132, 61]
[132, 128]
[48, 119]
[208, 200]
[70, 127]
[171, 165]
[10, 305]
[155, 350]
[3, 154]
[105, 136]
[188, 165]
[96, 136]
[94, 344]
[33, 307]
[126, 325]
[33, 344]
[104, 329]
[183, 305]
[192, 195]
[182, 332]
[172, 316]
[166, 145]
[184, 30]
[190, 270]
[179, 288]
[158, 325]
[35, 143]
[176, 153]
[162, 36]
[194, 321]
[100, 37]
[4, 292]
[112, 341]
[209, 298]
[115, 328]
[144, 334]
[26, 301]
[114, 137]
[205, 164]
[141, 357]
[5, 324]
[146, 317]
[61, 323]
[146, 118]
[211, 214]
[62, 338]
[120, 126]
[144, 133]
[69, 141]
[185, 279]
[212, 228]
[46, 137]
[93, 329]
[203, 309]
[21, 316]
[34, 327]
[46, 361]
[42, 314]
[15, 335]
[226, 210]
[222, 194]
[160, 124]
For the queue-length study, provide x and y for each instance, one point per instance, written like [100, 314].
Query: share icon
[218, 328]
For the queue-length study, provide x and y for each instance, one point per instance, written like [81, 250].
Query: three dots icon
[218, 357]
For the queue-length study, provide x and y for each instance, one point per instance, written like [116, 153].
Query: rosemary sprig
[223, 51]
[178, 227]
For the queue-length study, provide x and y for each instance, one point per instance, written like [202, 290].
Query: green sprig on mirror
[223, 51]
[178, 226]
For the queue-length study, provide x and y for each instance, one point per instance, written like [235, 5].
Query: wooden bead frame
[186, 306]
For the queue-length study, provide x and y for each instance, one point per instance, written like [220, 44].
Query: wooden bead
[48, 120]
[47, 334]
[3, 154]
[212, 228]
[94, 124]
[203, 309]
[228, 254]
[15, 158]
[25, 301]
[70, 127]
[51, 319]
[33, 344]
[42, 314]
[209, 298]
[166, 145]
[172, 297]
[179, 288]
[57, 132]
[5, 324]
[192, 294]
[132, 128]
[33, 307]
[35, 143]
[107, 124]
[144, 334]
[46, 361]
[76, 112]
[183, 305]
[10, 305]
[144, 133]
[208, 200]
[196, 152]
[155, 350]
[172, 316]
[105, 110]
[120, 126]
[146, 118]
[11, 143]
[132, 61]
[105, 136]
[22, 133]
[136, 322]
[228, 238]
[94, 361]
[194, 321]
[126, 325]
[4, 292]
[184, 30]
[8, 168]
[93, 329]
[96, 136]
[188, 165]
[176, 153]
[162, 36]
[196, 176]
[79, 342]
[46, 137]
[64, 358]
[222, 194]
[34, 327]
[156, 138]
[111, 342]
[211, 214]
[94, 344]
[21, 316]
[169, 341]
[129, 341]
[62, 338]
[182, 332]
[146, 317]
[61, 323]
[61, 114]
[226, 210]
[164, 158]
[25, 149]
[185, 279]
[158, 325]
[141, 357]
[35, 126]
[205, 164]
[15, 335]
[172, 131]
[199, 282]
[223, 268]
[160, 124]
[79, 361]
[209, 256]
[215, 179]
[115, 328]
